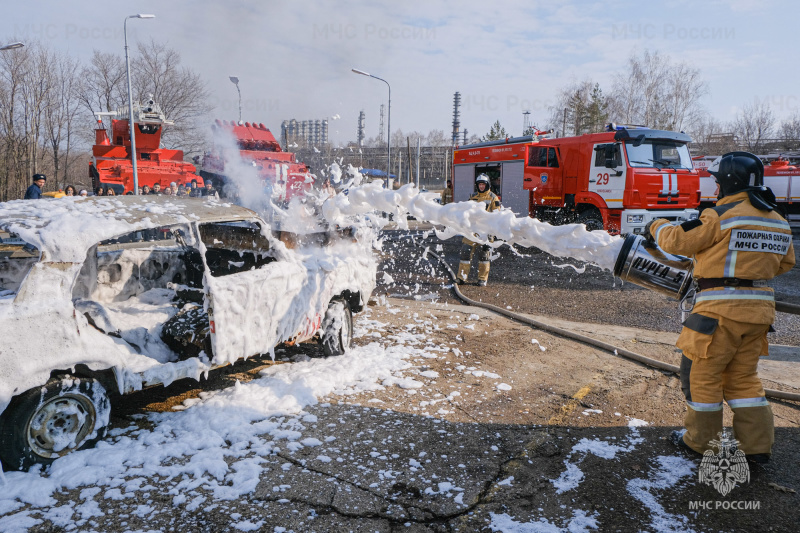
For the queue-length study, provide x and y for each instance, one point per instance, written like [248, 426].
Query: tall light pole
[235, 81]
[388, 124]
[12, 46]
[130, 100]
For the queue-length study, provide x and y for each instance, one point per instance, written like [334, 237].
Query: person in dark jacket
[34, 192]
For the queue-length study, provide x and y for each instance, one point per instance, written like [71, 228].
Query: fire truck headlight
[635, 219]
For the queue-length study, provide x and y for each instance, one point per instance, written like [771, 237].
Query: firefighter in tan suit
[492, 202]
[737, 246]
[447, 194]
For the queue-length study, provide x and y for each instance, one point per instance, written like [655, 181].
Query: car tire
[48, 422]
[592, 219]
[337, 328]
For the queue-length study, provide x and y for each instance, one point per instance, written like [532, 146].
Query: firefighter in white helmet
[492, 202]
[737, 246]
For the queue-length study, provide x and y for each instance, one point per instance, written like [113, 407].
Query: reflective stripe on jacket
[733, 239]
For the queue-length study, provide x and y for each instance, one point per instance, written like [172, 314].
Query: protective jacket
[733, 240]
[447, 196]
[736, 249]
[489, 199]
[492, 203]
[33, 192]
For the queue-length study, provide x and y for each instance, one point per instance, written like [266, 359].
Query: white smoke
[244, 185]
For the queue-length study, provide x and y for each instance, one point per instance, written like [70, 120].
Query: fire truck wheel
[337, 328]
[592, 219]
[45, 423]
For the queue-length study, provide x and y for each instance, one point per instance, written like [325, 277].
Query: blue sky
[293, 58]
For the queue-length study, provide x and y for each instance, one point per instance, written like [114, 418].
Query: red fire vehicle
[111, 155]
[258, 147]
[617, 180]
[779, 175]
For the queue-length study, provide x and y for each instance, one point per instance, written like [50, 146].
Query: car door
[249, 290]
[607, 173]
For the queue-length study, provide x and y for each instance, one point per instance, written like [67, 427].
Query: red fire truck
[779, 175]
[111, 154]
[617, 180]
[258, 147]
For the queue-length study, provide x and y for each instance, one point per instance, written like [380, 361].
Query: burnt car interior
[233, 247]
[151, 274]
[158, 275]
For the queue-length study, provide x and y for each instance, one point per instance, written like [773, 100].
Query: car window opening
[17, 258]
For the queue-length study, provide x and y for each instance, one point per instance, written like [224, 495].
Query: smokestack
[456, 121]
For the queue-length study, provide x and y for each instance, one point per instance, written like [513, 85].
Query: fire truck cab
[617, 180]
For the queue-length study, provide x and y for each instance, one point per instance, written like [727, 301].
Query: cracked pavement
[500, 434]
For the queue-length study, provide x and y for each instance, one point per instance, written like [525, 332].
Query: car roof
[65, 228]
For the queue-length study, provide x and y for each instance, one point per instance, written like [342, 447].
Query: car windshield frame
[17, 259]
[650, 154]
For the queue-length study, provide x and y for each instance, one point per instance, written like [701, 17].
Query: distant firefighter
[492, 202]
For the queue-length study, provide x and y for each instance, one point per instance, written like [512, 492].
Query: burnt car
[107, 296]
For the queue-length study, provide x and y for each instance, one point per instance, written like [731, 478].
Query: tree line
[654, 90]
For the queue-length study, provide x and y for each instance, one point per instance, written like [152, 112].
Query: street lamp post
[235, 81]
[12, 46]
[130, 100]
[388, 124]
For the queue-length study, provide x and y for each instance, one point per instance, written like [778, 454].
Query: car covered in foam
[107, 296]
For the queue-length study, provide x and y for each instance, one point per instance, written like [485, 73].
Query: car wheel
[48, 422]
[337, 328]
[592, 219]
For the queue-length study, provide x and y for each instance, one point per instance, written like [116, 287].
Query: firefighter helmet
[482, 178]
[736, 172]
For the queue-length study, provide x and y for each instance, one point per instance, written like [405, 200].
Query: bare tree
[103, 83]
[789, 132]
[27, 86]
[180, 92]
[684, 91]
[36, 89]
[156, 70]
[754, 124]
[12, 72]
[658, 93]
[60, 116]
[712, 137]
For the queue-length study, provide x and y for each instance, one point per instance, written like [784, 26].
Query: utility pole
[380, 128]
[564, 124]
[418, 149]
[131, 122]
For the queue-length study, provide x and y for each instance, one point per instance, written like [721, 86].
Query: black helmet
[737, 172]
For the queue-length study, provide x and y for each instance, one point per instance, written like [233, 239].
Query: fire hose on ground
[771, 393]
